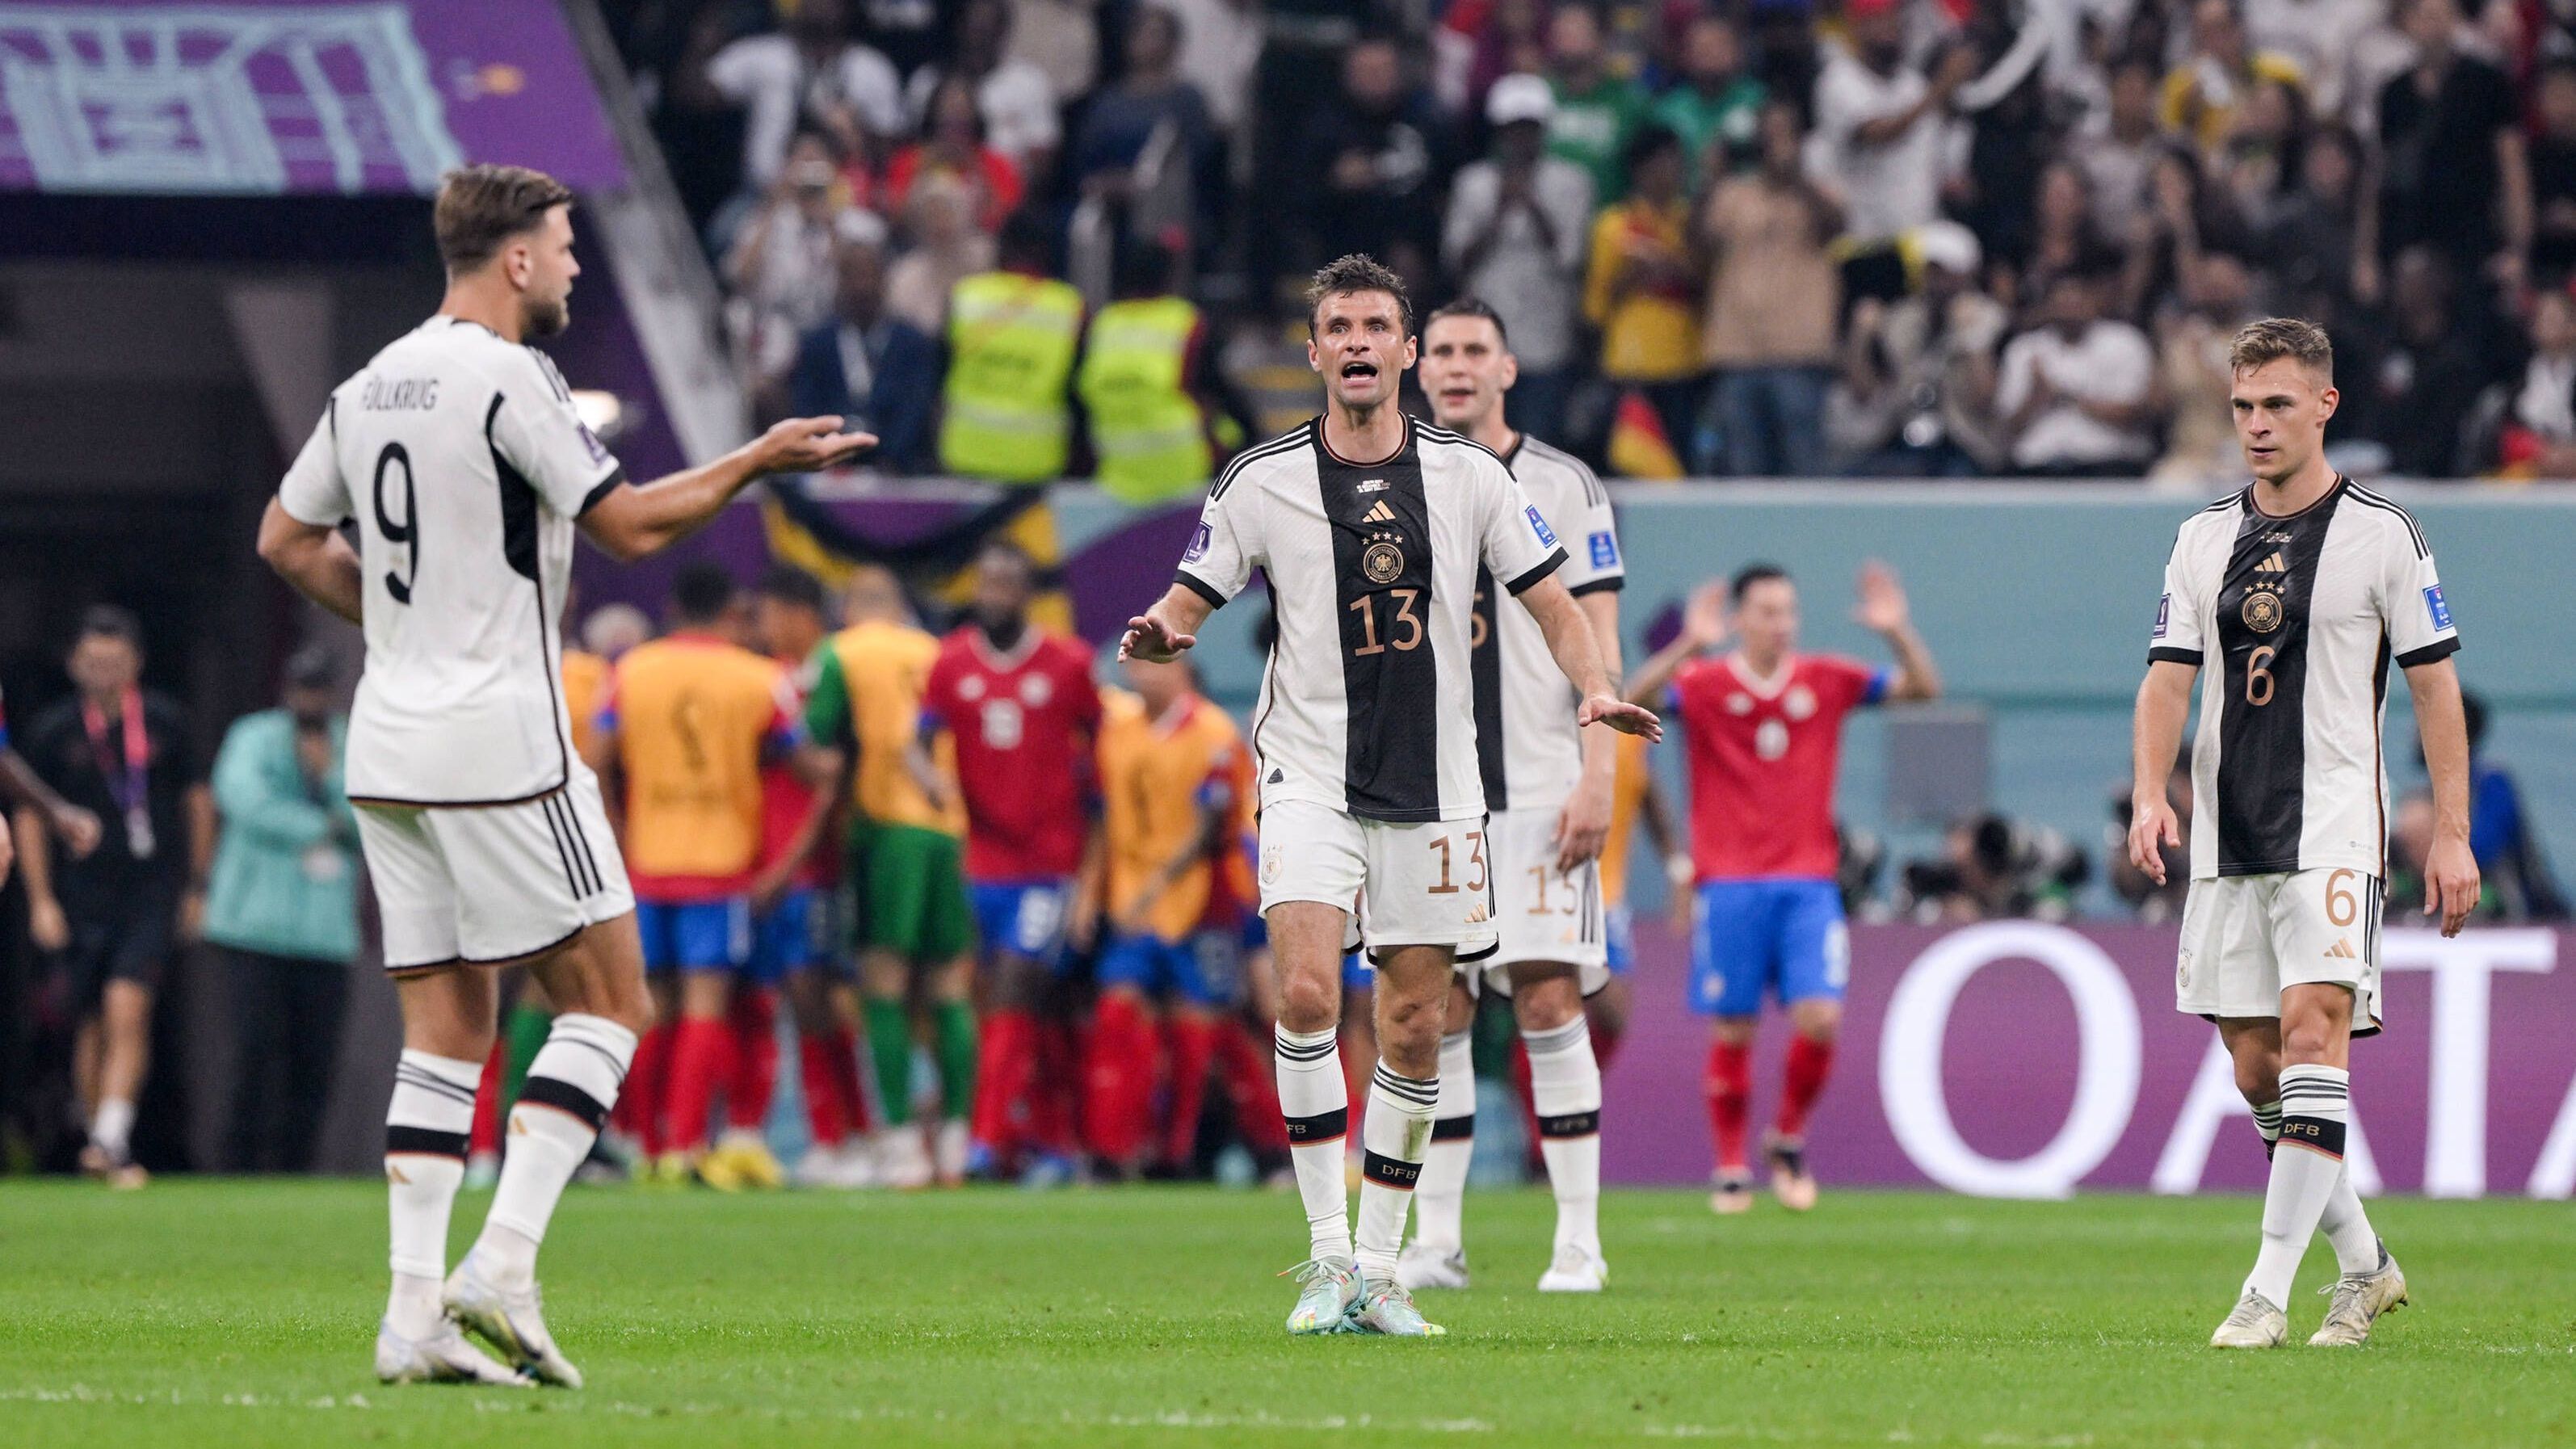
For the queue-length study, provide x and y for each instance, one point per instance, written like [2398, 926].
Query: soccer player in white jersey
[457, 454]
[1547, 795]
[2303, 586]
[1372, 528]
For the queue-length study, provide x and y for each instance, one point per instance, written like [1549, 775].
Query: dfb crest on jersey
[1538, 521]
[2262, 611]
[1382, 561]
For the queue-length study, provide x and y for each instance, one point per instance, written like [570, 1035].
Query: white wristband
[1679, 870]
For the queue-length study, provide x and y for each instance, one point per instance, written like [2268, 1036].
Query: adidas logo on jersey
[1378, 513]
[2341, 950]
[2276, 564]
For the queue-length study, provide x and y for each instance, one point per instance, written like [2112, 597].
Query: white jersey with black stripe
[458, 455]
[1528, 749]
[1367, 706]
[2297, 620]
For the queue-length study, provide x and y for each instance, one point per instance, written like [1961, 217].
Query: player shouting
[1547, 797]
[1372, 528]
[457, 453]
[1766, 726]
[2305, 584]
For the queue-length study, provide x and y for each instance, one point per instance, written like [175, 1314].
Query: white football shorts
[1544, 914]
[1422, 883]
[2245, 937]
[478, 885]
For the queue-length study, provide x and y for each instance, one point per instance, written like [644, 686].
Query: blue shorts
[796, 934]
[1621, 936]
[1356, 975]
[1023, 917]
[1785, 937]
[1205, 970]
[695, 935]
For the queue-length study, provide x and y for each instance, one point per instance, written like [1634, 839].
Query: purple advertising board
[265, 97]
[2017, 1058]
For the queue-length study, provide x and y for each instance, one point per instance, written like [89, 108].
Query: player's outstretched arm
[1568, 631]
[1703, 628]
[2164, 701]
[1167, 630]
[1884, 611]
[315, 559]
[2450, 869]
[632, 523]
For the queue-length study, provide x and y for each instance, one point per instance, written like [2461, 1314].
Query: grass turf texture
[215, 1313]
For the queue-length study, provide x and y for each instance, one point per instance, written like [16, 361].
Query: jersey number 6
[407, 532]
[2258, 677]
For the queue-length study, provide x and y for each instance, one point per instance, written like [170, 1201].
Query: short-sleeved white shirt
[772, 80]
[2303, 615]
[460, 458]
[1368, 705]
[1528, 748]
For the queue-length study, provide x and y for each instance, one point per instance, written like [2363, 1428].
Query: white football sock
[2345, 1223]
[1316, 1103]
[1397, 1133]
[1565, 1093]
[2305, 1166]
[1440, 1202]
[571, 1085]
[425, 1131]
[111, 1127]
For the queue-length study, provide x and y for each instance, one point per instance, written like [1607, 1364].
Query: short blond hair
[2274, 338]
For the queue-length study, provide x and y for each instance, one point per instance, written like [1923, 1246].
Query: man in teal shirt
[283, 908]
[1715, 106]
[1596, 111]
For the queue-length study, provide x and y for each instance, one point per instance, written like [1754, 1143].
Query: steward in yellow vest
[1012, 336]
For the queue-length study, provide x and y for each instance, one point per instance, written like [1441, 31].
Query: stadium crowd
[1873, 238]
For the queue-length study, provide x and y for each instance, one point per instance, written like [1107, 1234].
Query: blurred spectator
[908, 31]
[780, 269]
[1374, 164]
[953, 143]
[2062, 238]
[1642, 289]
[1150, 123]
[2155, 904]
[2195, 379]
[2537, 432]
[2117, 154]
[1007, 410]
[1886, 140]
[283, 907]
[612, 629]
[1514, 237]
[810, 74]
[1596, 110]
[947, 248]
[1220, 52]
[1481, 41]
[873, 369]
[2308, 242]
[1714, 104]
[2077, 391]
[1160, 416]
[1772, 301]
[2323, 39]
[1916, 395]
[1017, 103]
[2418, 389]
[112, 919]
[1061, 38]
[2260, 164]
[2452, 172]
[2553, 173]
[2513, 868]
[1992, 868]
[2222, 71]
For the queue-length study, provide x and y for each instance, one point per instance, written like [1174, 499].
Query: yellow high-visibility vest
[1149, 432]
[1011, 340]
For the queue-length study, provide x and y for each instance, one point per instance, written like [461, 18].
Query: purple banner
[2015, 1058]
[228, 97]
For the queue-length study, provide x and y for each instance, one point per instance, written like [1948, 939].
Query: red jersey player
[1023, 709]
[1765, 730]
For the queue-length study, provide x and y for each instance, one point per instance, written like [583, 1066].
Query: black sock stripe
[1572, 1124]
[2318, 1134]
[423, 1082]
[1453, 1129]
[563, 1096]
[1322, 1127]
[586, 1044]
[1392, 1172]
[1304, 1054]
[402, 1141]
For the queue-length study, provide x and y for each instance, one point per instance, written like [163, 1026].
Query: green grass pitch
[209, 1314]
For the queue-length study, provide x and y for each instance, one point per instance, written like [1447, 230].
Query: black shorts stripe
[1322, 1127]
[1392, 1172]
[1453, 1129]
[564, 1097]
[401, 1141]
[581, 841]
[563, 849]
[1571, 1124]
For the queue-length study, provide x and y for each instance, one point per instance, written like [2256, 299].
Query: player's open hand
[1620, 715]
[1150, 639]
[2450, 883]
[2152, 827]
[78, 828]
[805, 445]
[1882, 608]
[1704, 617]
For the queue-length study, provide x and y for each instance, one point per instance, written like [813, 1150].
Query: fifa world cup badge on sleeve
[2433, 601]
[2164, 615]
[1605, 550]
[1198, 545]
[1538, 521]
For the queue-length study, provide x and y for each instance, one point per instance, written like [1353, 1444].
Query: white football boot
[513, 1323]
[2256, 1323]
[1576, 1269]
[2359, 1299]
[442, 1358]
[1422, 1266]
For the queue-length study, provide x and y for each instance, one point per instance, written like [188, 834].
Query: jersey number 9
[405, 533]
